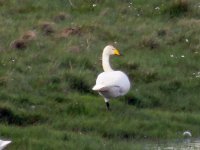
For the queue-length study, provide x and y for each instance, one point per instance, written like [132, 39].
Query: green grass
[46, 101]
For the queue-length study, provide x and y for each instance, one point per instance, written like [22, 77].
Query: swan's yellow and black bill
[116, 52]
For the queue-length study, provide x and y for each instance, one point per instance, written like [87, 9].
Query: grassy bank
[50, 57]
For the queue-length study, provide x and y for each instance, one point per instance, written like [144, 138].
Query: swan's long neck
[106, 63]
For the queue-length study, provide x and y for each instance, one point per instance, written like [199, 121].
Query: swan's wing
[104, 79]
[112, 91]
[112, 79]
[104, 88]
[3, 144]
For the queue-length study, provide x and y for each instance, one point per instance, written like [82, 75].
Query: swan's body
[3, 144]
[110, 83]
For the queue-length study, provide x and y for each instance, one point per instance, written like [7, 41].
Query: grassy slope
[45, 96]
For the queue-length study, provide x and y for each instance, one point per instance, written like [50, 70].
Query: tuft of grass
[150, 43]
[178, 8]
[9, 117]
[77, 83]
[76, 108]
[61, 16]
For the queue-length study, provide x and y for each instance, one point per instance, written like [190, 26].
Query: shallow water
[183, 144]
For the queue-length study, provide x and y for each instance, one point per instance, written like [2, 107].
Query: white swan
[3, 144]
[110, 83]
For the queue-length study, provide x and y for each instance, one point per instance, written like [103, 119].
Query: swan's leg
[107, 103]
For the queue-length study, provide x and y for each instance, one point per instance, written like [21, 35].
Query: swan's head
[111, 50]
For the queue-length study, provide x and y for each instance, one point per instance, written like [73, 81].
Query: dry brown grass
[65, 33]
[179, 7]
[18, 44]
[74, 49]
[47, 27]
[149, 42]
[182, 3]
[61, 17]
[2, 2]
[29, 36]
[188, 23]
[24, 40]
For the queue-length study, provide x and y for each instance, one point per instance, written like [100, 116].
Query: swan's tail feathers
[97, 87]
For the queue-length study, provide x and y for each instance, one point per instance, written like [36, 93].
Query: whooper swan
[110, 83]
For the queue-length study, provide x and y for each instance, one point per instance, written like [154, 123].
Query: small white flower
[138, 15]
[171, 55]
[157, 8]
[32, 106]
[115, 42]
[182, 56]
[186, 40]
[130, 3]
[94, 5]
[29, 67]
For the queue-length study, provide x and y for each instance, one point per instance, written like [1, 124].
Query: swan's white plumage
[115, 82]
[3, 144]
[110, 83]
